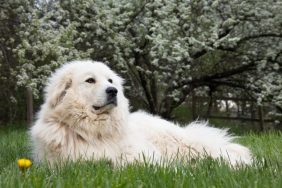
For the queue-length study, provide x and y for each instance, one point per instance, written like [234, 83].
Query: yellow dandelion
[24, 163]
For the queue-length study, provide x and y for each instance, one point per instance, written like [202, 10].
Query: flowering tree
[167, 48]
[164, 48]
[33, 43]
[13, 15]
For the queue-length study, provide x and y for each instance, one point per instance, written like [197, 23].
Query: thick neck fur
[88, 125]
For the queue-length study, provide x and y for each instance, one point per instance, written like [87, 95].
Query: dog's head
[91, 85]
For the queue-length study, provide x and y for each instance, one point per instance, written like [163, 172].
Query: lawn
[266, 172]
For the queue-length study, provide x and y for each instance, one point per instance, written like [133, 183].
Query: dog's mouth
[109, 105]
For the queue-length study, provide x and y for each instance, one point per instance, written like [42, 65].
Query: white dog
[85, 116]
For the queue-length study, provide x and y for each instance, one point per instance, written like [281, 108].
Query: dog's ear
[57, 89]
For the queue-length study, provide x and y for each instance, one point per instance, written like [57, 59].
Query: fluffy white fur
[68, 127]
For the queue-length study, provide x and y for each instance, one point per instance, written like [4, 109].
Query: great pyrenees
[86, 116]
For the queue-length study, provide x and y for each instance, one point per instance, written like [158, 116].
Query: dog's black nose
[111, 91]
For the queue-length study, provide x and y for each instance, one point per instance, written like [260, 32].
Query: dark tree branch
[144, 83]
[227, 83]
[221, 35]
[210, 80]
[216, 76]
[133, 17]
[247, 38]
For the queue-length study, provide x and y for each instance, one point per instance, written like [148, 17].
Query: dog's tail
[217, 143]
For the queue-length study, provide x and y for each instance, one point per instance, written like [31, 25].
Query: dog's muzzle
[111, 98]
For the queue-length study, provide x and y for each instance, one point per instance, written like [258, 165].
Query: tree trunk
[210, 103]
[261, 117]
[29, 106]
[194, 110]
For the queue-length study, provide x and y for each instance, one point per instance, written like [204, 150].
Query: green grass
[266, 172]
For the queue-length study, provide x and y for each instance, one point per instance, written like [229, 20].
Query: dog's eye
[90, 80]
[110, 80]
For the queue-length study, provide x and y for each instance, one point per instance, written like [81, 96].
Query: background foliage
[166, 49]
